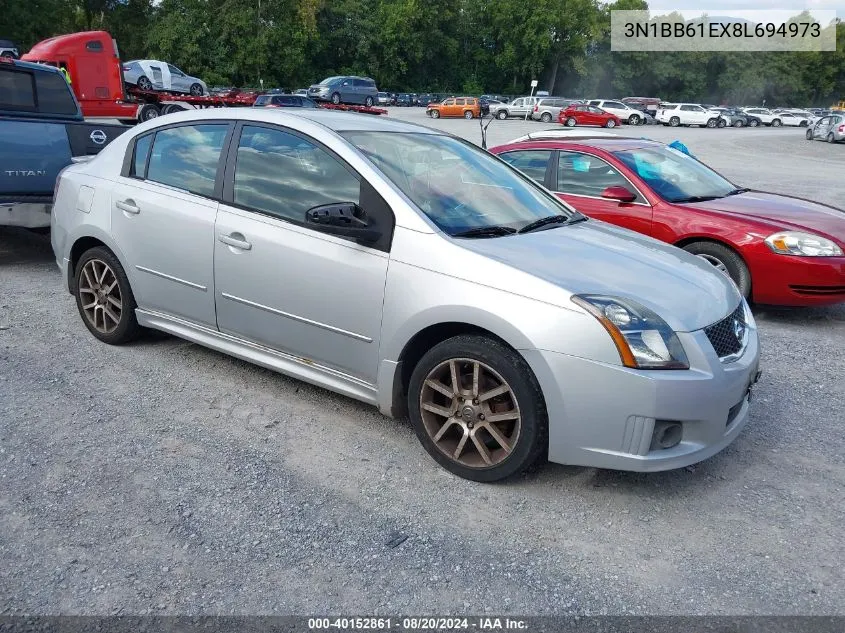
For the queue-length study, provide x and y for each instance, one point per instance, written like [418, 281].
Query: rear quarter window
[187, 157]
[54, 96]
[17, 90]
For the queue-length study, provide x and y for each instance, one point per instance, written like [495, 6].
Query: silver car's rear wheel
[144, 83]
[477, 408]
[196, 90]
[546, 117]
[104, 297]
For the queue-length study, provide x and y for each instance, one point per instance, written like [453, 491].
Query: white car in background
[675, 114]
[626, 113]
[152, 74]
[794, 119]
[766, 116]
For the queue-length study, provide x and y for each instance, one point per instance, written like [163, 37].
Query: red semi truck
[91, 61]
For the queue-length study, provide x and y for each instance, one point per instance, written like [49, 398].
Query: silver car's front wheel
[477, 408]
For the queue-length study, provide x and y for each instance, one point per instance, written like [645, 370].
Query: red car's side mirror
[619, 193]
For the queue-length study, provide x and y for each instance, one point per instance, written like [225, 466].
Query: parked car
[675, 114]
[734, 117]
[491, 311]
[403, 99]
[284, 101]
[520, 107]
[792, 119]
[302, 92]
[384, 98]
[426, 98]
[777, 249]
[584, 114]
[767, 117]
[499, 98]
[345, 89]
[151, 74]
[9, 49]
[649, 104]
[41, 132]
[829, 128]
[547, 109]
[467, 107]
[626, 113]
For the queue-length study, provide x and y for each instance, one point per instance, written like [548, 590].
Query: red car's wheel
[571, 122]
[726, 261]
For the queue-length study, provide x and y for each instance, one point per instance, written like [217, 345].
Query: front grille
[723, 334]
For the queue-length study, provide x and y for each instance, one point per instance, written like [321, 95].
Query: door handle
[236, 240]
[128, 206]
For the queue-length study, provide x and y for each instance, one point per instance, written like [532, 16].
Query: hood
[784, 211]
[596, 258]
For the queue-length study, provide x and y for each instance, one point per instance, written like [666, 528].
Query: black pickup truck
[41, 132]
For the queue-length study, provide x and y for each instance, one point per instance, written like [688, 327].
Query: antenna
[485, 109]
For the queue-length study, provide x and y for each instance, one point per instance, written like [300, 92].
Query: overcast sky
[733, 7]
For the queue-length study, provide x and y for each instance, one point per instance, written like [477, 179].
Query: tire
[336, 98]
[802, 124]
[148, 111]
[368, 102]
[144, 83]
[722, 123]
[726, 260]
[674, 121]
[633, 120]
[610, 123]
[753, 123]
[111, 324]
[502, 115]
[738, 123]
[171, 108]
[546, 117]
[809, 135]
[711, 123]
[776, 123]
[571, 122]
[831, 138]
[435, 114]
[499, 365]
[196, 90]
[468, 114]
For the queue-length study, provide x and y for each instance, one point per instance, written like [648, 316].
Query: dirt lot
[165, 478]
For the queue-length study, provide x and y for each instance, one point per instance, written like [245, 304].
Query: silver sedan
[151, 74]
[411, 270]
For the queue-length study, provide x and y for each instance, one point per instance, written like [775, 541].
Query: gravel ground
[165, 478]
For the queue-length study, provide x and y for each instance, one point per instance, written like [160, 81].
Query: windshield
[457, 185]
[329, 81]
[675, 176]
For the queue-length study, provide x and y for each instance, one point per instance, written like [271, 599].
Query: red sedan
[778, 249]
[583, 114]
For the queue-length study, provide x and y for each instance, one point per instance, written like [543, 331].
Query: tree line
[471, 46]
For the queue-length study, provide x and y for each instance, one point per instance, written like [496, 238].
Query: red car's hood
[788, 212]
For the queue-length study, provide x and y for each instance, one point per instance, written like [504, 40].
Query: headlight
[643, 339]
[804, 244]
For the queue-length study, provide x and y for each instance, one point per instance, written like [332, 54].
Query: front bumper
[605, 416]
[797, 281]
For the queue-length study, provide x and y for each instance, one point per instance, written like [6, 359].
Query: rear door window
[54, 96]
[187, 157]
[532, 163]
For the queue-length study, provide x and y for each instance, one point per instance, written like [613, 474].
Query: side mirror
[619, 193]
[346, 219]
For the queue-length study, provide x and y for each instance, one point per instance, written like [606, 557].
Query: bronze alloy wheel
[101, 301]
[470, 413]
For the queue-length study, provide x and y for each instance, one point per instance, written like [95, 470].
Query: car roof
[604, 143]
[330, 119]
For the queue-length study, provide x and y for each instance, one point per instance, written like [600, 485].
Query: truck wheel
[104, 297]
[196, 90]
[477, 408]
[502, 115]
[171, 108]
[144, 83]
[148, 111]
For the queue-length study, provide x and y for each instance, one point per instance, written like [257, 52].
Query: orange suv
[467, 107]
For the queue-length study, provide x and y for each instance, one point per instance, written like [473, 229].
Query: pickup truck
[41, 132]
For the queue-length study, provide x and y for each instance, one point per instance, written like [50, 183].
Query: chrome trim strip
[149, 317]
[288, 315]
[184, 282]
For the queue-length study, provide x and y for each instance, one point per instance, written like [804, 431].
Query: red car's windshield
[675, 176]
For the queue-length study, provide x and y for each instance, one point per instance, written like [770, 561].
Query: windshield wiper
[552, 219]
[697, 199]
[486, 231]
[738, 190]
